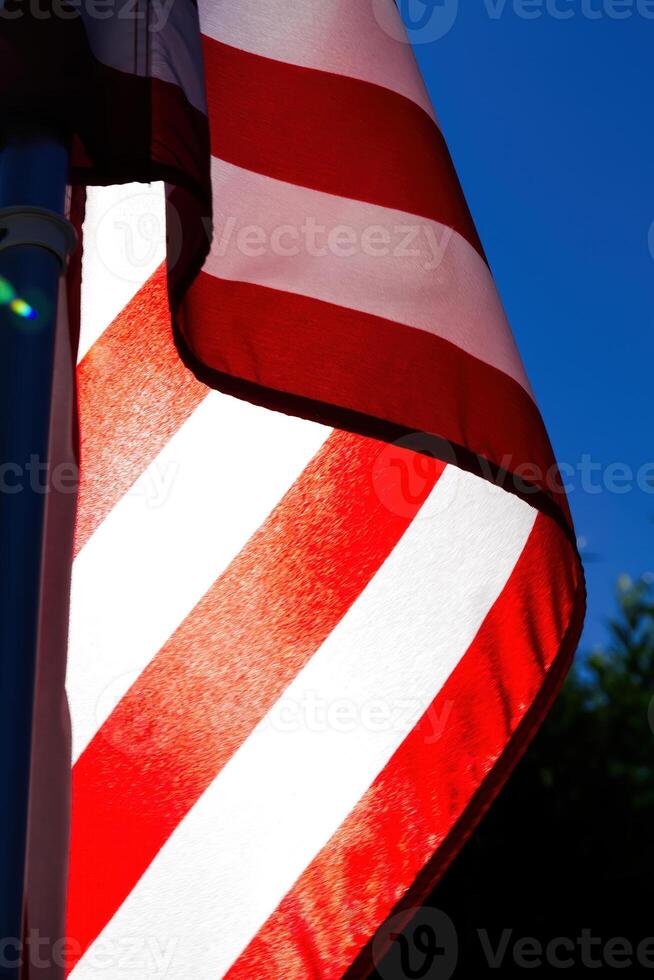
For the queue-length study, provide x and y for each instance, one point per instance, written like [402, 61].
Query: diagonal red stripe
[331, 133]
[230, 660]
[134, 393]
[316, 350]
[424, 796]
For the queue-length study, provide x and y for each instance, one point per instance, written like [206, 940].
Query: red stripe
[421, 797]
[323, 353]
[331, 133]
[134, 393]
[228, 663]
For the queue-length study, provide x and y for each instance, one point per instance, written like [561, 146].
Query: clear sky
[550, 120]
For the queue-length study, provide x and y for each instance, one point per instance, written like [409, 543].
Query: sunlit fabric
[325, 585]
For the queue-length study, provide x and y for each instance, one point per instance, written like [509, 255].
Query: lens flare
[22, 308]
[7, 292]
[17, 305]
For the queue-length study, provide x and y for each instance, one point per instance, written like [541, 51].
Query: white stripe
[168, 539]
[124, 238]
[285, 792]
[338, 36]
[362, 256]
[177, 49]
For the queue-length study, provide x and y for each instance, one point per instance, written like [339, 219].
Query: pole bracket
[38, 227]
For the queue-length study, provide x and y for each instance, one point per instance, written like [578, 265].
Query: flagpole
[34, 242]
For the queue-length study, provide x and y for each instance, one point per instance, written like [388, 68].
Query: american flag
[317, 612]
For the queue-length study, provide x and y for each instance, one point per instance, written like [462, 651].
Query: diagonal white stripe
[290, 786]
[169, 538]
[124, 242]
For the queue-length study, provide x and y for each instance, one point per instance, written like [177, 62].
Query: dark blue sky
[551, 125]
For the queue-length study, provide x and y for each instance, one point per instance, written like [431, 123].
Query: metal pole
[33, 243]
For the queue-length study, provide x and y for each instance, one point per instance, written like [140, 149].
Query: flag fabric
[317, 612]
[125, 79]
[346, 279]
